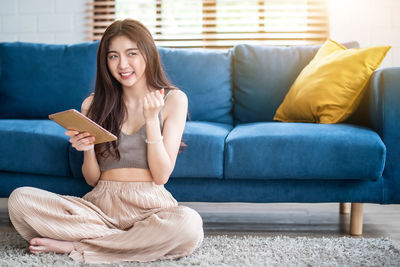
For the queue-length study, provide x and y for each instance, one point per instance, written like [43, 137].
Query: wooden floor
[311, 220]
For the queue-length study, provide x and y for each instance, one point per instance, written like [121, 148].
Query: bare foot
[39, 245]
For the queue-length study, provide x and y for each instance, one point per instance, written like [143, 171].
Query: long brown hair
[108, 108]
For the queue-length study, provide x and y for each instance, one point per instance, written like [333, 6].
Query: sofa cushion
[39, 79]
[303, 151]
[33, 146]
[202, 158]
[262, 76]
[332, 85]
[204, 154]
[205, 76]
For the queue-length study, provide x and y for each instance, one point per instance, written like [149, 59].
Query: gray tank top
[132, 149]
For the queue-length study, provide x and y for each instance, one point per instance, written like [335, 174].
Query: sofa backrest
[206, 77]
[39, 79]
[262, 75]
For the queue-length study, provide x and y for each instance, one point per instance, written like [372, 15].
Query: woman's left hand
[152, 104]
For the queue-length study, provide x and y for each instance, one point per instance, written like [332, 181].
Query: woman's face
[126, 63]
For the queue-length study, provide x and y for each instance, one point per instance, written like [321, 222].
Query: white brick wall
[43, 21]
[19, 24]
[370, 22]
[8, 7]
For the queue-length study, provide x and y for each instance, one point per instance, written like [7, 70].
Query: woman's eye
[131, 54]
[112, 57]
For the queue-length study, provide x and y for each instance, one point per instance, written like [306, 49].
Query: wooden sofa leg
[344, 208]
[356, 219]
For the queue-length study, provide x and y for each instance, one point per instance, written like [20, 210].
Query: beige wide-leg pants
[116, 221]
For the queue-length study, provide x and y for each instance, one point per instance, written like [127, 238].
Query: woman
[129, 215]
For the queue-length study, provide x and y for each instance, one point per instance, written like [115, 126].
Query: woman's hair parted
[108, 108]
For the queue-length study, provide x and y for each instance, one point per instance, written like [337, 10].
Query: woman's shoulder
[176, 102]
[176, 96]
[86, 104]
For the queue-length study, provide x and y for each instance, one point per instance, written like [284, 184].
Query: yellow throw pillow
[330, 87]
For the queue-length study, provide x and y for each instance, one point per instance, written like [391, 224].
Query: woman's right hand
[81, 141]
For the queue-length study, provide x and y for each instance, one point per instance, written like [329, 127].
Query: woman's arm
[84, 142]
[162, 150]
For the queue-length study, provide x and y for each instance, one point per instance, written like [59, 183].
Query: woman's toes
[35, 249]
[39, 245]
[35, 241]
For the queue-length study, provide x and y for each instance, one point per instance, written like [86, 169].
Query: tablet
[74, 120]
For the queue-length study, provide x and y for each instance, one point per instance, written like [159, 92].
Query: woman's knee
[192, 225]
[18, 200]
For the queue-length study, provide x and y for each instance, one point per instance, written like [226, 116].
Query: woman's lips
[126, 75]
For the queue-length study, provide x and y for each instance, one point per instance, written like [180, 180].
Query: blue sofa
[235, 151]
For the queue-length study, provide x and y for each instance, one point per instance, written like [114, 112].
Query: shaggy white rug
[239, 251]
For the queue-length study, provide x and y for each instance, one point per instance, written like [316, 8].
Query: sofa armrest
[383, 98]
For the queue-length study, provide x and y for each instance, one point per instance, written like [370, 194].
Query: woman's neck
[135, 93]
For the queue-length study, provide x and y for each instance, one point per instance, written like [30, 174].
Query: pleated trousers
[116, 221]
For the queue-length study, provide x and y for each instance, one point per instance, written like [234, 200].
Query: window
[222, 23]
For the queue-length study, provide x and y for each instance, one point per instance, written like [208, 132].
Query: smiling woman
[129, 215]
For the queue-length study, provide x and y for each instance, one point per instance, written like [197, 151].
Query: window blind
[100, 14]
[220, 23]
